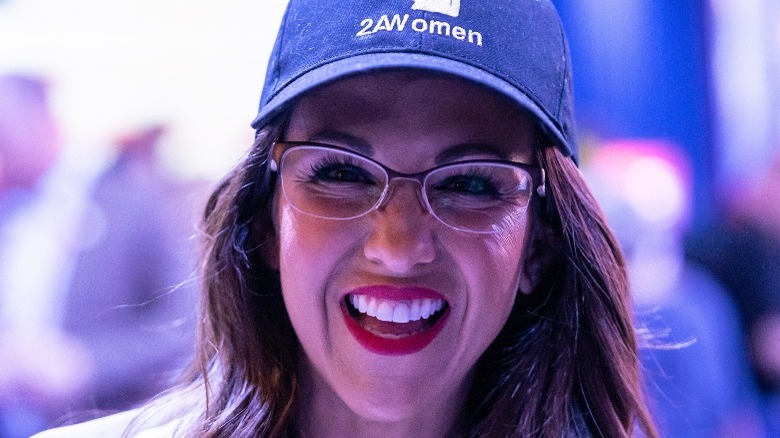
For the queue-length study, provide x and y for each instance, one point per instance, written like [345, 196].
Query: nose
[401, 236]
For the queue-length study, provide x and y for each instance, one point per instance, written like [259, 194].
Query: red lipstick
[420, 314]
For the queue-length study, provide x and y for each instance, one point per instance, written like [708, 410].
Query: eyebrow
[448, 155]
[464, 150]
[344, 139]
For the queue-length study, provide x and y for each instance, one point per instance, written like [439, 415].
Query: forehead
[422, 111]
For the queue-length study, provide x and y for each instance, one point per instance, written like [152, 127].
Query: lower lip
[396, 346]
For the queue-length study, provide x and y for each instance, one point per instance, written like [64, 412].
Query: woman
[409, 249]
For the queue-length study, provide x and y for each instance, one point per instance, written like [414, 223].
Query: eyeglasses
[480, 196]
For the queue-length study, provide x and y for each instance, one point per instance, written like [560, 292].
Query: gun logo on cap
[448, 7]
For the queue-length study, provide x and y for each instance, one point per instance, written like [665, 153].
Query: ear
[539, 256]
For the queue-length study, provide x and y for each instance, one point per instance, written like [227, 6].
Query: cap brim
[387, 61]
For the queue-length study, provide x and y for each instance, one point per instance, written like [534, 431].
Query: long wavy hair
[565, 364]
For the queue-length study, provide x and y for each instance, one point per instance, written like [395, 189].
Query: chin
[386, 408]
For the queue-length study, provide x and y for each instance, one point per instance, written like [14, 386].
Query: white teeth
[372, 305]
[401, 313]
[384, 312]
[362, 303]
[396, 311]
[414, 311]
[425, 309]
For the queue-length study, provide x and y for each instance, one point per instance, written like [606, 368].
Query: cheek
[310, 252]
[491, 265]
[303, 268]
[300, 250]
[310, 241]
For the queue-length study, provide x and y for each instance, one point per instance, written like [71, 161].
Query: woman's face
[399, 256]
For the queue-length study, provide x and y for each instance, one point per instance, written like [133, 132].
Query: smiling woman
[408, 249]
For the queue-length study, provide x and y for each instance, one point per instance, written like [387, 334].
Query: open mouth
[394, 326]
[395, 319]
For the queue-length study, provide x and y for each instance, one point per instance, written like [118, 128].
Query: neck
[324, 414]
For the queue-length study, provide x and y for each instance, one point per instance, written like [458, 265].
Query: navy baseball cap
[515, 47]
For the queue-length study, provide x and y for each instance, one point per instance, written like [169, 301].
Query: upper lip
[396, 292]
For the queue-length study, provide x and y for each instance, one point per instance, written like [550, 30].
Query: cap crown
[516, 47]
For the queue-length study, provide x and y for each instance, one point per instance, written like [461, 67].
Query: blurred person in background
[95, 306]
[696, 365]
[743, 251]
[131, 299]
[40, 200]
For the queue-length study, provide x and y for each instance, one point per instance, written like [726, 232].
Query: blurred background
[117, 117]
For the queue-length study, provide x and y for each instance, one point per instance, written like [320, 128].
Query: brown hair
[565, 363]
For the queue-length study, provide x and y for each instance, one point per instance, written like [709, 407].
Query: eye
[472, 185]
[340, 170]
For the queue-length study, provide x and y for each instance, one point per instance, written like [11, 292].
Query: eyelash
[328, 161]
[494, 187]
[483, 175]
